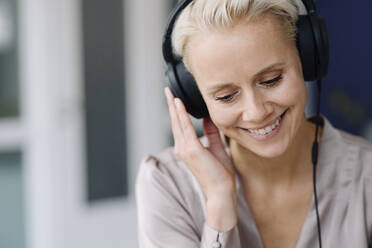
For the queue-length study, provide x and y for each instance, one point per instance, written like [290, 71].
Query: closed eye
[226, 98]
[267, 84]
[272, 82]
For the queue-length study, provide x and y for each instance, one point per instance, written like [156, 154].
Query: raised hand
[211, 166]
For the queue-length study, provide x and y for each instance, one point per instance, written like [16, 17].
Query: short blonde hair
[207, 15]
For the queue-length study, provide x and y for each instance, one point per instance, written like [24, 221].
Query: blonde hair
[207, 15]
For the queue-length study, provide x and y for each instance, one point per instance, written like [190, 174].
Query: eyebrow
[223, 85]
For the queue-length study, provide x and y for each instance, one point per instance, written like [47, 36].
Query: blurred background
[81, 103]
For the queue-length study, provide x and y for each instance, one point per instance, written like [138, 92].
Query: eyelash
[272, 82]
[267, 84]
[226, 98]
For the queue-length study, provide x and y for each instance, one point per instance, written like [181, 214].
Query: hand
[212, 167]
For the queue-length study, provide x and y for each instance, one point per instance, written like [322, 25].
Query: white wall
[52, 101]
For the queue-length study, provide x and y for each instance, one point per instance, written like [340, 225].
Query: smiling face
[250, 77]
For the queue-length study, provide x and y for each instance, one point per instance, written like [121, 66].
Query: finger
[216, 145]
[176, 126]
[212, 133]
[188, 129]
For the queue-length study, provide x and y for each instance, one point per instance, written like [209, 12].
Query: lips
[270, 123]
[267, 131]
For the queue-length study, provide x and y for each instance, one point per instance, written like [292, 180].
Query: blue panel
[346, 97]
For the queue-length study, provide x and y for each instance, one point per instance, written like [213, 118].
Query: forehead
[239, 51]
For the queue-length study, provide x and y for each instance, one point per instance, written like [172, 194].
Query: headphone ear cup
[183, 85]
[172, 81]
[306, 48]
[322, 45]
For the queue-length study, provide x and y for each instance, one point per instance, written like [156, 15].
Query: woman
[249, 181]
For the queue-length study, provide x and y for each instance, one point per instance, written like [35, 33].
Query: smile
[267, 131]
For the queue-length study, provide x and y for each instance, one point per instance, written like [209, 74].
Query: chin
[268, 151]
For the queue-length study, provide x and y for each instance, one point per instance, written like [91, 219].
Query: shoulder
[358, 161]
[359, 152]
[347, 161]
[168, 201]
[168, 168]
[352, 161]
[348, 149]
[166, 175]
[161, 163]
[355, 140]
[346, 173]
[162, 166]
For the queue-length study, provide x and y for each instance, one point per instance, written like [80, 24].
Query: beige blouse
[172, 212]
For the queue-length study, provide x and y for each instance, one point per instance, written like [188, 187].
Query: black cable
[314, 158]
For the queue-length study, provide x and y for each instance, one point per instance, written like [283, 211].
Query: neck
[294, 165]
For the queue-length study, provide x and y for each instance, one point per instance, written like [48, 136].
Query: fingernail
[177, 102]
[167, 94]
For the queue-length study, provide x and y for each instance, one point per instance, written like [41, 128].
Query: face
[250, 77]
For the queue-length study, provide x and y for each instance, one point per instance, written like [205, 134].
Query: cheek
[293, 94]
[298, 94]
[222, 116]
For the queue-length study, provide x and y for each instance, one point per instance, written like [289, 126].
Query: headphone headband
[167, 38]
[310, 6]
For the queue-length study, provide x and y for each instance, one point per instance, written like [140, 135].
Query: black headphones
[312, 44]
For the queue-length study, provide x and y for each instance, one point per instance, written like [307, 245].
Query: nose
[255, 108]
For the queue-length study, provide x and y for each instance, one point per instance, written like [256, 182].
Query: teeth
[265, 130]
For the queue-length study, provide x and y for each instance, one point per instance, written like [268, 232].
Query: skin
[276, 173]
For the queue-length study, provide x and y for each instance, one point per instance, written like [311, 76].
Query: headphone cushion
[306, 48]
[321, 38]
[183, 85]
